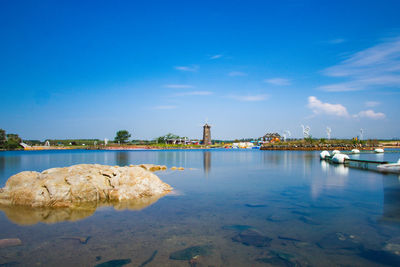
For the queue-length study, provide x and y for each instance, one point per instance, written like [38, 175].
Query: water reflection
[309, 160]
[122, 158]
[379, 156]
[274, 158]
[341, 170]
[336, 169]
[206, 161]
[325, 165]
[279, 159]
[2, 165]
[336, 176]
[28, 216]
[169, 158]
[9, 162]
[391, 195]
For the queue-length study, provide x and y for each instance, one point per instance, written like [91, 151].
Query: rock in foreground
[72, 186]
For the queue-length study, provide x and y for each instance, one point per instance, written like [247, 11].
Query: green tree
[122, 136]
[13, 141]
[163, 139]
[309, 139]
[3, 138]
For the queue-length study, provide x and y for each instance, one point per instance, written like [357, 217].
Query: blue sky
[74, 69]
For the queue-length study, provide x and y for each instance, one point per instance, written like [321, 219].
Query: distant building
[178, 141]
[206, 134]
[248, 145]
[272, 137]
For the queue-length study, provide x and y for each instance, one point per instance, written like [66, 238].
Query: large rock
[74, 185]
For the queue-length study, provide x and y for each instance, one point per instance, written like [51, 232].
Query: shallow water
[233, 208]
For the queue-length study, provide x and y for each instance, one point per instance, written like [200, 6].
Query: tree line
[9, 141]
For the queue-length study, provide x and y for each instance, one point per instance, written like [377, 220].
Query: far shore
[276, 146]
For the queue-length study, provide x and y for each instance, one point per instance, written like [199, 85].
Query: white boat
[379, 150]
[355, 151]
[324, 154]
[339, 158]
[390, 167]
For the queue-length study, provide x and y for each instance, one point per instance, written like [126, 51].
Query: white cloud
[165, 107]
[343, 87]
[192, 68]
[362, 84]
[198, 93]
[178, 86]
[370, 114]
[216, 56]
[250, 98]
[372, 104]
[319, 107]
[237, 73]
[374, 67]
[278, 81]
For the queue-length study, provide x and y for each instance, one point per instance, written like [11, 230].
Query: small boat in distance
[390, 167]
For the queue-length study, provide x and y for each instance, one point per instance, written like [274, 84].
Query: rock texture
[79, 184]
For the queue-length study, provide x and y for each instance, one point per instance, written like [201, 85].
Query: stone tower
[206, 134]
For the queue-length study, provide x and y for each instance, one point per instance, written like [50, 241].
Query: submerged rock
[152, 167]
[338, 241]
[71, 186]
[114, 263]
[393, 245]
[284, 259]
[252, 238]
[177, 168]
[191, 252]
[278, 258]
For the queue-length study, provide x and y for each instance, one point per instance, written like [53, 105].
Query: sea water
[228, 208]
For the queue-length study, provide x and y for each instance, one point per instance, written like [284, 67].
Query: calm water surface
[303, 211]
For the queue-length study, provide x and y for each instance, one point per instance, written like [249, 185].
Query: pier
[370, 165]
